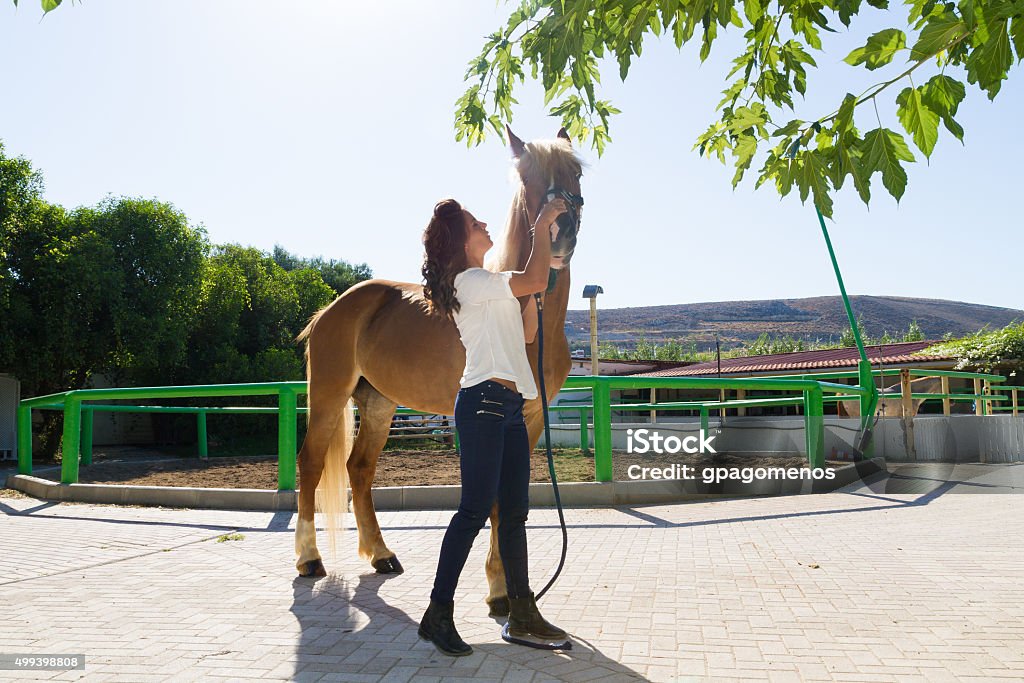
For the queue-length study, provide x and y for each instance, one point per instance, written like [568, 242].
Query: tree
[561, 44]
[338, 274]
[20, 201]
[988, 351]
[250, 311]
[914, 332]
[849, 339]
[92, 290]
[96, 289]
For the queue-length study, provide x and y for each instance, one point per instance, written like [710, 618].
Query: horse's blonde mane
[546, 159]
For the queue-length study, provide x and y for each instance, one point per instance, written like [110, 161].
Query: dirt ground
[406, 467]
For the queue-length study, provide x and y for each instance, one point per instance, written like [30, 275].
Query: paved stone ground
[905, 580]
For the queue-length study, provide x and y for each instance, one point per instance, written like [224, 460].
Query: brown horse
[379, 346]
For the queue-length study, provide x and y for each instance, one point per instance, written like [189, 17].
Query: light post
[591, 292]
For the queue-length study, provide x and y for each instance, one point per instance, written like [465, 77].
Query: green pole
[814, 427]
[602, 430]
[87, 414]
[286, 440]
[24, 440]
[704, 419]
[202, 445]
[584, 435]
[867, 401]
[71, 439]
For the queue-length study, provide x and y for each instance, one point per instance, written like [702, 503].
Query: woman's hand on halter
[548, 214]
[535, 277]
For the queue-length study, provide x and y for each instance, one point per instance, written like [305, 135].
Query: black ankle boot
[438, 626]
[524, 619]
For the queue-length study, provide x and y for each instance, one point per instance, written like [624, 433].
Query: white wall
[958, 438]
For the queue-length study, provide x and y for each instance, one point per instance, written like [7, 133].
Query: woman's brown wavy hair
[444, 241]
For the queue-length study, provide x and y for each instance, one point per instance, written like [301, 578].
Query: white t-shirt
[491, 326]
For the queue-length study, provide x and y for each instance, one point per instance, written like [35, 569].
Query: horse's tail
[338, 425]
[332, 491]
[304, 335]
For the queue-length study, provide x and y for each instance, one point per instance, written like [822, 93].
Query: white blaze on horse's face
[563, 244]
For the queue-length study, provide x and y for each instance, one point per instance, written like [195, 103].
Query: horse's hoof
[388, 565]
[498, 607]
[313, 568]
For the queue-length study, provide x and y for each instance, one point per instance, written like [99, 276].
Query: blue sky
[326, 127]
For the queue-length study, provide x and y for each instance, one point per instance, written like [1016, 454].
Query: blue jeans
[494, 461]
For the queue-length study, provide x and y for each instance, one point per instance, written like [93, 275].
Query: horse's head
[549, 169]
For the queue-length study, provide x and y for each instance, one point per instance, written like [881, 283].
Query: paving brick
[719, 591]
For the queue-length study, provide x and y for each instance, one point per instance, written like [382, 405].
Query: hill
[816, 318]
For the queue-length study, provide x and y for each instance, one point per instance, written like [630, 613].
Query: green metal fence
[79, 408]
[811, 391]
[602, 447]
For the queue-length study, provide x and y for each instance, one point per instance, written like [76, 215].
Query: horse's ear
[514, 143]
[564, 134]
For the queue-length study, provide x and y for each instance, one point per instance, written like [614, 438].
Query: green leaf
[743, 118]
[1017, 33]
[847, 10]
[754, 10]
[879, 50]
[49, 5]
[939, 33]
[812, 180]
[743, 150]
[918, 119]
[989, 63]
[943, 95]
[883, 151]
[966, 8]
[844, 118]
[790, 128]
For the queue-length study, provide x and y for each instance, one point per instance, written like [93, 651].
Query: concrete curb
[582, 494]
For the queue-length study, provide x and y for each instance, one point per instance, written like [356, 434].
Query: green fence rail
[811, 391]
[78, 412]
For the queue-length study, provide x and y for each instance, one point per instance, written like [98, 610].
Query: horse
[378, 345]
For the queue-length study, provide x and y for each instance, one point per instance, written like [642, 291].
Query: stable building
[881, 356]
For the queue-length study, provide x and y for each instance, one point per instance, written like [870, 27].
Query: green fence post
[814, 427]
[201, 442]
[704, 419]
[87, 415]
[286, 439]
[584, 433]
[24, 440]
[602, 430]
[868, 402]
[71, 439]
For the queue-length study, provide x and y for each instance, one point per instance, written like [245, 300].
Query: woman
[494, 447]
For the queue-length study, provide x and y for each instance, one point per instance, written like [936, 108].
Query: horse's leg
[323, 424]
[375, 413]
[332, 379]
[497, 592]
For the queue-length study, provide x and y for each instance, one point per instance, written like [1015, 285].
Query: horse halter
[573, 204]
